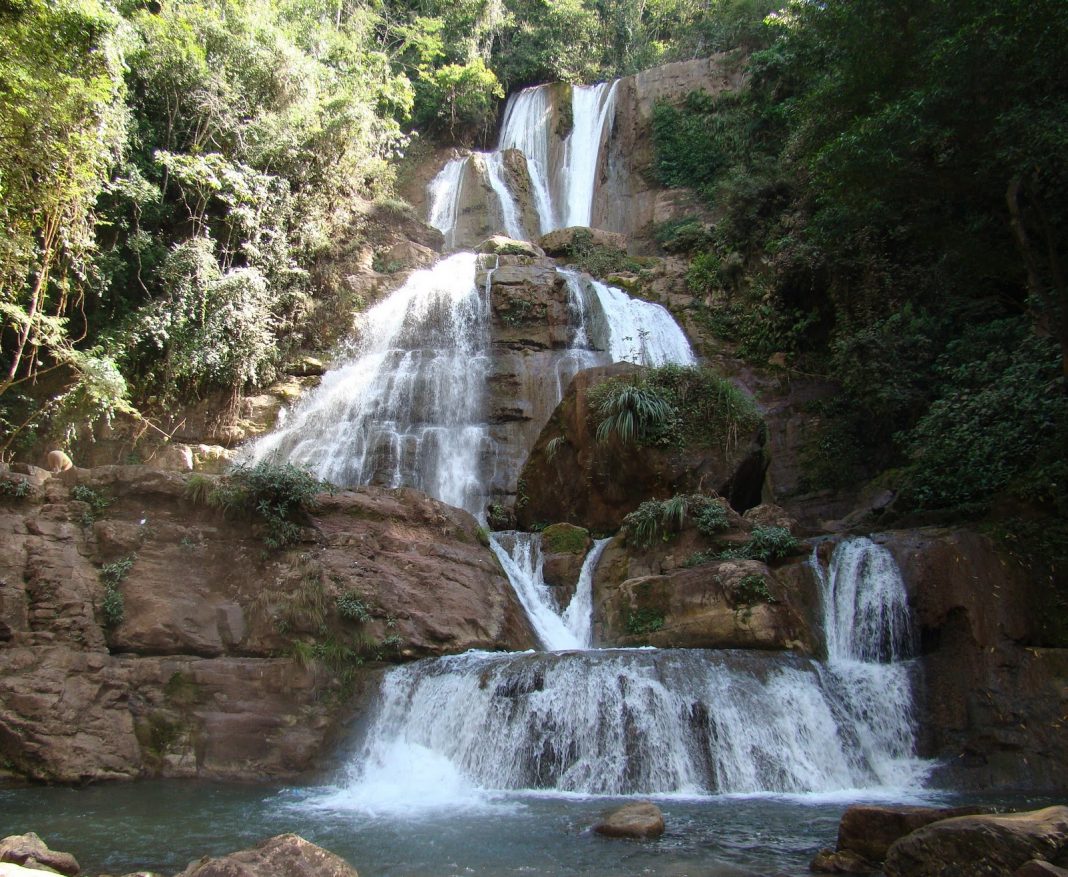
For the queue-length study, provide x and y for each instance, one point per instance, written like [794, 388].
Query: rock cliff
[225, 660]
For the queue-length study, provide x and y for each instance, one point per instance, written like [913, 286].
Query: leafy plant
[630, 412]
[666, 517]
[113, 606]
[350, 605]
[751, 590]
[278, 494]
[96, 502]
[643, 621]
[16, 488]
[765, 544]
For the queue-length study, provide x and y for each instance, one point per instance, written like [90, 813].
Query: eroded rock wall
[229, 661]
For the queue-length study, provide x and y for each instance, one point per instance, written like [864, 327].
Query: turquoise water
[163, 825]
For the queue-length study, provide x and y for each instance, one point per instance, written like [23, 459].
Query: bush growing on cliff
[278, 494]
[664, 518]
[673, 406]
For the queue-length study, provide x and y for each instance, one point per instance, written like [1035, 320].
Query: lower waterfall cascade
[647, 721]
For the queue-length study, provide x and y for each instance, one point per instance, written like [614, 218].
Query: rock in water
[642, 821]
[870, 829]
[979, 846]
[32, 852]
[286, 855]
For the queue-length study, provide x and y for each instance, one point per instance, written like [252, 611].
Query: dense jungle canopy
[891, 190]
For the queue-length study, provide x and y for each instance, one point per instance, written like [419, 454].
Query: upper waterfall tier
[475, 196]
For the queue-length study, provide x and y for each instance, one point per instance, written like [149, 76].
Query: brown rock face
[287, 855]
[869, 830]
[992, 705]
[565, 241]
[595, 485]
[30, 851]
[186, 683]
[628, 200]
[649, 598]
[979, 846]
[640, 821]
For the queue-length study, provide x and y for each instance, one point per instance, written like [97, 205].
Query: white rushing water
[563, 181]
[526, 128]
[405, 407]
[630, 329]
[591, 108]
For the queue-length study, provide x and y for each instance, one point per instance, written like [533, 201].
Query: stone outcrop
[576, 238]
[639, 821]
[30, 851]
[287, 855]
[188, 682]
[993, 704]
[596, 484]
[629, 200]
[980, 846]
[650, 596]
[564, 548]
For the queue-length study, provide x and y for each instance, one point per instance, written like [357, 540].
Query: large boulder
[31, 852]
[653, 598]
[595, 485]
[576, 239]
[287, 855]
[980, 846]
[869, 830]
[640, 821]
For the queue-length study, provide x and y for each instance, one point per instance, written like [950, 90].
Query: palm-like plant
[630, 412]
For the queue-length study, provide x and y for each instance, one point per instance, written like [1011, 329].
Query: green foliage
[552, 447]
[464, 97]
[751, 590]
[565, 539]
[278, 494]
[673, 406]
[765, 544]
[664, 518]
[629, 412]
[643, 621]
[598, 260]
[16, 488]
[350, 606]
[113, 606]
[1000, 413]
[96, 502]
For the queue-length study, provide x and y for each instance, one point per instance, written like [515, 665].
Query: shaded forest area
[890, 197]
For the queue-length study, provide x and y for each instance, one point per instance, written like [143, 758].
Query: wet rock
[1039, 868]
[840, 862]
[506, 246]
[576, 238]
[641, 821]
[193, 687]
[287, 855]
[31, 852]
[979, 846]
[733, 604]
[769, 515]
[176, 457]
[869, 829]
[306, 366]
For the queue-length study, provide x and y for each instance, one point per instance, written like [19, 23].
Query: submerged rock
[29, 851]
[641, 821]
[286, 855]
[980, 846]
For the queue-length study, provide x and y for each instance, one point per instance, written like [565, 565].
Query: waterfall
[405, 407]
[621, 722]
[521, 556]
[591, 107]
[526, 127]
[870, 642]
[630, 329]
